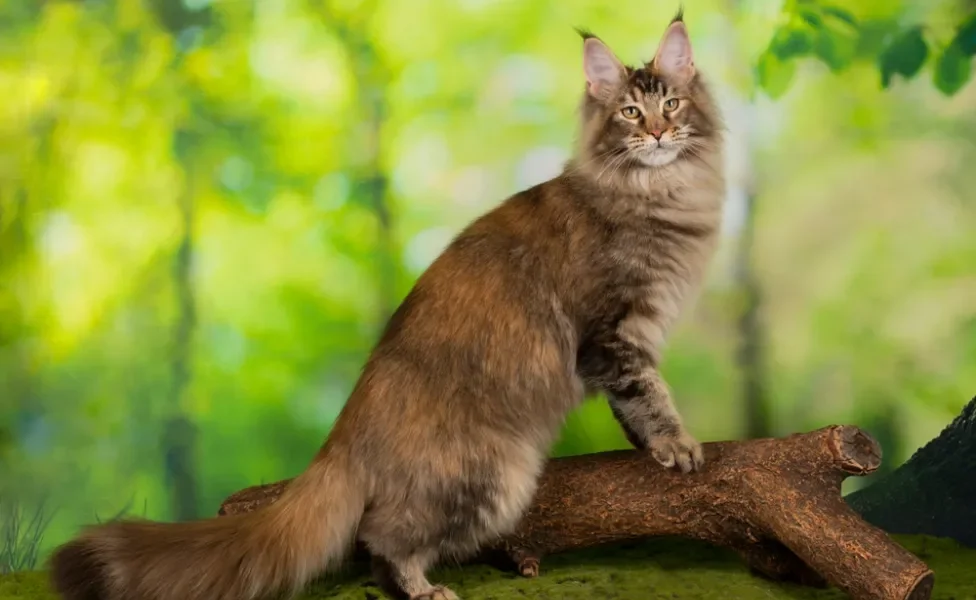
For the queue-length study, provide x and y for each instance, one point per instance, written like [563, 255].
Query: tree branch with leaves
[811, 29]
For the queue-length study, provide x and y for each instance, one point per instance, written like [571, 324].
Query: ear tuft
[679, 16]
[584, 33]
[603, 70]
[674, 57]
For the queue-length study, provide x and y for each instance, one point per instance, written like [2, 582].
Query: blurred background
[208, 209]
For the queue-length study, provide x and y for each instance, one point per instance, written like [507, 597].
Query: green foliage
[774, 74]
[904, 55]
[672, 568]
[835, 39]
[22, 530]
[125, 512]
[965, 37]
[952, 69]
[814, 29]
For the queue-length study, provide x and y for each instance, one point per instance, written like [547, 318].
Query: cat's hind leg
[405, 578]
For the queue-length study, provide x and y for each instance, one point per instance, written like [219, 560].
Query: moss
[666, 568]
[24, 585]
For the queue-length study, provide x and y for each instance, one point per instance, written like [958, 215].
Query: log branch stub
[855, 452]
[776, 502]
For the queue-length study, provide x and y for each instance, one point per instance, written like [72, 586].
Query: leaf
[966, 36]
[807, 14]
[904, 56]
[840, 14]
[836, 48]
[872, 36]
[774, 75]
[791, 41]
[952, 70]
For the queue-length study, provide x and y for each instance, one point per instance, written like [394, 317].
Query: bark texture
[934, 492]
[775, 501]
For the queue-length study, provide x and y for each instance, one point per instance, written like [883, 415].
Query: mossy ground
[658, 569]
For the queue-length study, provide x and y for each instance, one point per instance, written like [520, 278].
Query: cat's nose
[657, 133]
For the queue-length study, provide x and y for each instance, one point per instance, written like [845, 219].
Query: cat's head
[649, 116]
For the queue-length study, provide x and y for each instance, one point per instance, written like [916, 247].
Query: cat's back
[482, 337]
[526, 243]
[493, 291]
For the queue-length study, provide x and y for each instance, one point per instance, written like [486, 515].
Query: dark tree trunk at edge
[934, 492]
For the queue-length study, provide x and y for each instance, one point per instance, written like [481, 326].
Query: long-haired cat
[567, 286]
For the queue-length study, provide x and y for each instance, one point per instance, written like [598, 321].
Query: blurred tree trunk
[179, 434]
[16, 386]
[24, 201]
[750, 357]
[376, 184]
[372, 181]
[751, 328]
[179, 431]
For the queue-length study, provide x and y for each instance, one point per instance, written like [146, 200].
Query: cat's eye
[630, 112]
[671, 104]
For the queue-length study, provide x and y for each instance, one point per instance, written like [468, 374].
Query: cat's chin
[658, 157]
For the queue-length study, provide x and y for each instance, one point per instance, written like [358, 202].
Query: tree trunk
[934, 492]
[751, 334]
[752, 337]
[179, 434]
[372, 77]
[375, 186]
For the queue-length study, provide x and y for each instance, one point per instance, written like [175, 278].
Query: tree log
[776, 502]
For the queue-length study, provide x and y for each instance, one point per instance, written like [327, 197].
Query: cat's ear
[604, 71]
[674, 59]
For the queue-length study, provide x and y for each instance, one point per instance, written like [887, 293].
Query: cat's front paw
[680, 450]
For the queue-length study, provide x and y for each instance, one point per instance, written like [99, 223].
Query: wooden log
[776, 502]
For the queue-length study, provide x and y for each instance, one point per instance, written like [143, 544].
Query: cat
[568, 286]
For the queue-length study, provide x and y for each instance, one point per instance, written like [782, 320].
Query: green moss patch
[662, 568]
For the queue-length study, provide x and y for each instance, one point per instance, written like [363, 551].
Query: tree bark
[774, 501]
[934, 492]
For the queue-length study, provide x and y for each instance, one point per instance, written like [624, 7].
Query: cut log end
[922, 590]
[855, 451]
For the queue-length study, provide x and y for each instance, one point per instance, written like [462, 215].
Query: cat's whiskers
[580, 167]
[612, 164]
[615, 170]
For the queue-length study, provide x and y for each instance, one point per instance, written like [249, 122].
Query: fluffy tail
[274, 550]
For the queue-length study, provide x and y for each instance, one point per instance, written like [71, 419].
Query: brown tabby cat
[569, 285]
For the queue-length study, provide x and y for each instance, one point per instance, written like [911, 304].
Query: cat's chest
[656, 270]
[659, 253]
